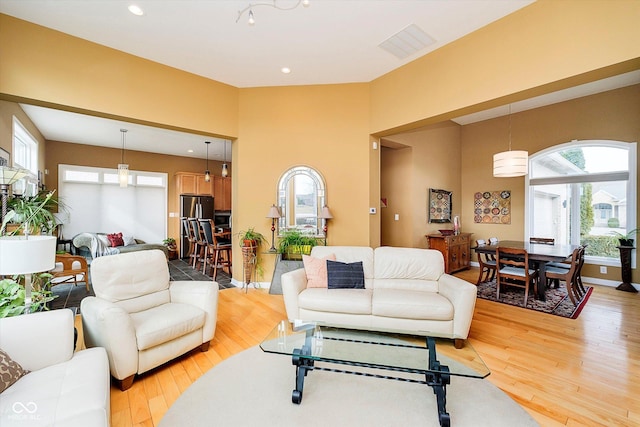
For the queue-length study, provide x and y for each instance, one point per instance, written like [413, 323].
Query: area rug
[253, 388]
[557, 301]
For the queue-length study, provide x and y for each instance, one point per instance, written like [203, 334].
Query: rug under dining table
[557, 301]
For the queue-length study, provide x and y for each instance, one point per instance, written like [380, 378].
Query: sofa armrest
[293, 282]
[202, 294]
[38, 340]
[462, 295]
[107, 325]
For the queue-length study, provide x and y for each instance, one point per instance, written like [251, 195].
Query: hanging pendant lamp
[207, 174]
[510, 163]
[123, 168]
[225, 168]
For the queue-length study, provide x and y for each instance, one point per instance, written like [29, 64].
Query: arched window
[582, 192]
[301, 198]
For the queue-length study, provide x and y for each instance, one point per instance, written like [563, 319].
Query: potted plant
[36, 210]
[172, 248]
[12, 295]
[251, 238]
[627, 238]
[293, 244]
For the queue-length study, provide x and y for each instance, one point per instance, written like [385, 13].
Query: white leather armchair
[142, 318]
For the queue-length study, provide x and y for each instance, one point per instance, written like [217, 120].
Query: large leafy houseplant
[626, 239]
[12, 295]
[36, 211]
[250, 237]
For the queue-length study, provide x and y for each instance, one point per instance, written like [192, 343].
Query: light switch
[396, 217]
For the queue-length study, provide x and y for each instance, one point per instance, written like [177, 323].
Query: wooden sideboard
[456, 250]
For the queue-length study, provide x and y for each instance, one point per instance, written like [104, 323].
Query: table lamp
[274, 213]
[326, 216]
[27, 255]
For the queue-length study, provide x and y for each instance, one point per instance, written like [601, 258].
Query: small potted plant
[251, 238]
[170, 243]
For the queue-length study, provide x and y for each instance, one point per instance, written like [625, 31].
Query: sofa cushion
[115, 239]
[343, 275]
[408, 263]
[165, 323]
[408, 304]
[350, 254]
[10, 371]
[316, 270]
[352, 301]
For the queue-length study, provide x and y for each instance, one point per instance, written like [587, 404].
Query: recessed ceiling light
[136, 10]
[285, 70]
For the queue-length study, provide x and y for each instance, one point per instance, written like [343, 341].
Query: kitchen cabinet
[456, 250]
[222, 193]
[193, 183]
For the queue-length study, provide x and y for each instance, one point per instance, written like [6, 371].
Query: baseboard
[585, 279]
[259, 285]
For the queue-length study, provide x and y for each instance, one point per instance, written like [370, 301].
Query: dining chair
[217, 254]
[542, 240]
[569, 276]
[189, 235]
[567, 265]
[493, 240]
[198, 243]
[487, 265]
[70, 269]
[513, 270]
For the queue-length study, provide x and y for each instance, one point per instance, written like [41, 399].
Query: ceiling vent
[407, 42]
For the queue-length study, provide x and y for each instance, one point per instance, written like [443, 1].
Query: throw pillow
[115, 239]
[316, 270]
[10, 371]
[341, 275]
[129, 240]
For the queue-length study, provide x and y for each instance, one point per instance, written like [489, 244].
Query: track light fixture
[273, 4]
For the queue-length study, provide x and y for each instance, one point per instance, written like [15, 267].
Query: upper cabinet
[218, 187]
[193, 183]
[222, 193]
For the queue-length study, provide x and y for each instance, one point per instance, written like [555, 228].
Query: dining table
[540, 253]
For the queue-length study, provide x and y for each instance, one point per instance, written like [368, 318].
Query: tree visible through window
[579, 193]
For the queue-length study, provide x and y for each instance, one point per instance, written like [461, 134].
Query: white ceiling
[331, 41]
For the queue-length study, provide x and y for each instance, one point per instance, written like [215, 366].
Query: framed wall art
[439, 208]
[492, 207]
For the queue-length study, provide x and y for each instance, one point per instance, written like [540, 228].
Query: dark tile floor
[68, 295]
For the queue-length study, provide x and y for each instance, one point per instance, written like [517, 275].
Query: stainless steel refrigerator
[193, 207]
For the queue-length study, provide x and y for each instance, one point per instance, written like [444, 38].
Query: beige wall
[613, 115]
[430, 159]
[546, 46]
[51, 68]
[9, 110]
[87, 155]
[325, 127]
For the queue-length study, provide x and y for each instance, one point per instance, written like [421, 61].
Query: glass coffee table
[427, 360]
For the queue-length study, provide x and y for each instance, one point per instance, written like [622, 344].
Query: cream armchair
[142, 318]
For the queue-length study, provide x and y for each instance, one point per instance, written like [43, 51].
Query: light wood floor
[582, 372]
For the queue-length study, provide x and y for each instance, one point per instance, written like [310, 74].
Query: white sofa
[405, 289]
[141, 317]
[63, 388]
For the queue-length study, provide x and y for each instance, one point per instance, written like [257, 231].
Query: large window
[98, 204]
[25, 148]
[583, 192]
